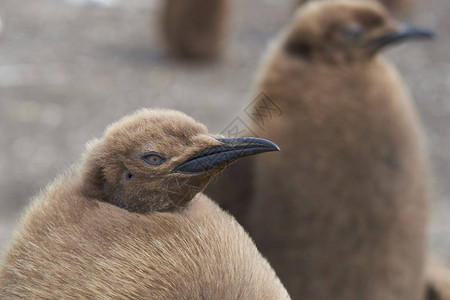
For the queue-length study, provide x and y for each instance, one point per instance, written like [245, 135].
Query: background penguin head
[158, 160]
[345, 31]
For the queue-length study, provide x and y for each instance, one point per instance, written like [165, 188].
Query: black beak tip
[273, 146]
[431, 34]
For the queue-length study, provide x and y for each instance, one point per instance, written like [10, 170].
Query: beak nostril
[128, 175]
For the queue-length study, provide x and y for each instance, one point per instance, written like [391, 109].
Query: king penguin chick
[342, 213]
[195, 28]
[392, 5]
[129, 222]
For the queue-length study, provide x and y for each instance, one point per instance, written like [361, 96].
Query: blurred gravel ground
[67, 71]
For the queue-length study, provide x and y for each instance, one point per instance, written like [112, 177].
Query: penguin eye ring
[154, 159]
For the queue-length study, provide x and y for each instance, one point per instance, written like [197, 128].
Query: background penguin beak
[218, 156]
[403, 32]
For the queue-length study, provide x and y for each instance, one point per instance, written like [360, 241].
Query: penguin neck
[343, 62]
[327, 55]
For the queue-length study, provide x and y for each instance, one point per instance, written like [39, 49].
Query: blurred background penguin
[335, 211]
[195, 29]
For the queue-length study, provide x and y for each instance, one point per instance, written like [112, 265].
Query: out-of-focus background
[68, 68]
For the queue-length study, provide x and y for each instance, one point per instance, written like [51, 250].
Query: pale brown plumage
[195, 28]
[75, 243]
[341, 212]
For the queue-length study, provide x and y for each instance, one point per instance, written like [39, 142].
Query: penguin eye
[352, 32]
[153, 159]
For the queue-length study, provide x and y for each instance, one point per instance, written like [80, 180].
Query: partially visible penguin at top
[395, 6]
[198, 29]
[130, 222]
[342, 212]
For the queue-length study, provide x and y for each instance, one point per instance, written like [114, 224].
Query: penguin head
[158, 160]
[345, 31]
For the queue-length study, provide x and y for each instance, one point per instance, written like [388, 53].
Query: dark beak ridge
[405, 32]
[226, 153]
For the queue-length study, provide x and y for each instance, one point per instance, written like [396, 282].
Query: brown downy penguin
[129, 222]
[342, 213]
[195, 28]
[392, 5]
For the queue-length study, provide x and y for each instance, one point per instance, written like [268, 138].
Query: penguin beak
[219, 156]
[403, 32]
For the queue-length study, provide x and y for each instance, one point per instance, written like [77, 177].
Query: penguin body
[105, 252]
[75, 242]
[349, 213]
